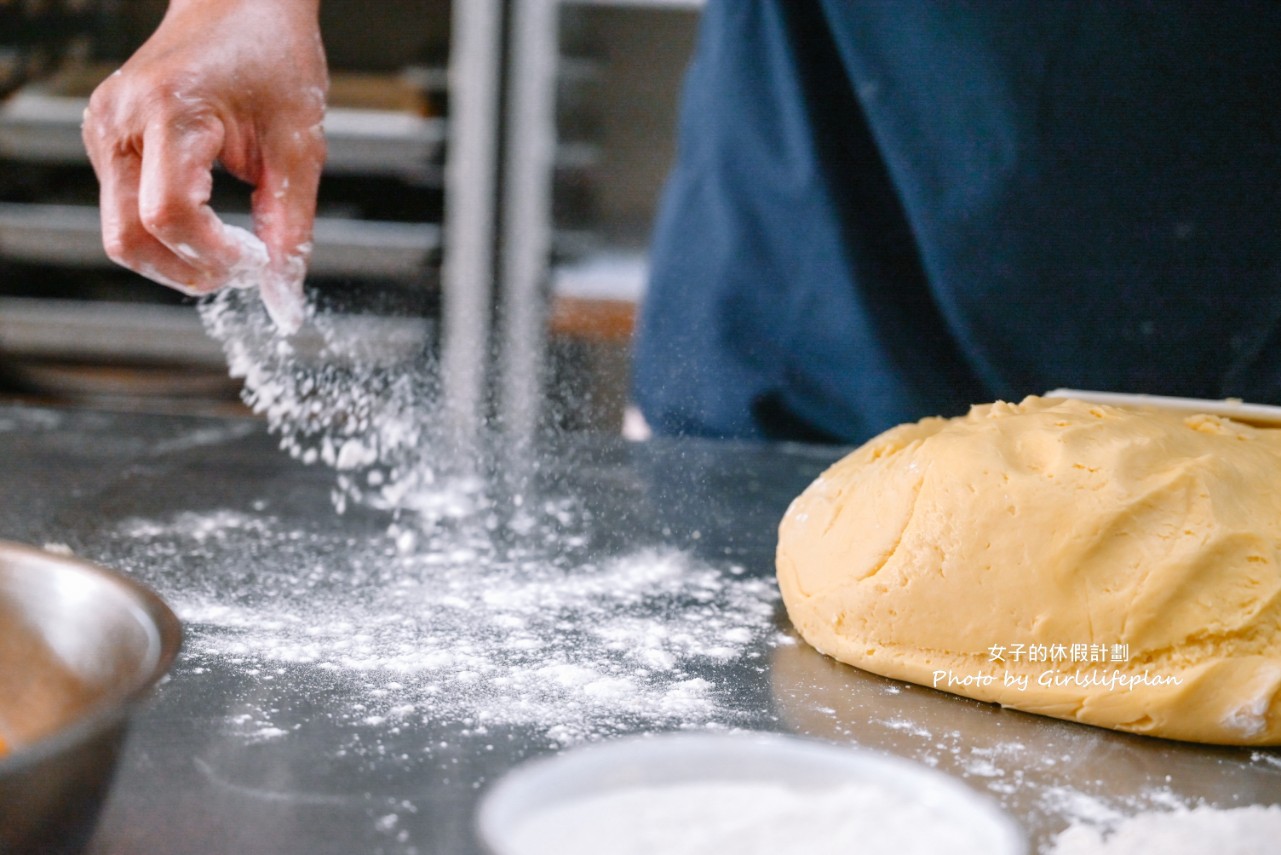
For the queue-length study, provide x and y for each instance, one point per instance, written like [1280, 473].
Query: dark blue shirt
[888, 209]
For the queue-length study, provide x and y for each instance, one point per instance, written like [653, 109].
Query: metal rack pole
[467, 274]
[527, 203]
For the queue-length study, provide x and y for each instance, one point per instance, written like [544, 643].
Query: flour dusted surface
[1201, 830]
[467, 627]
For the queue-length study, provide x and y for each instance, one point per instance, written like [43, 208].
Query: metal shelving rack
[536, 275]
[457, 154]
[42, 127]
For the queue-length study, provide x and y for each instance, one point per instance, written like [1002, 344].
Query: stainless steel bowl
[80, 645]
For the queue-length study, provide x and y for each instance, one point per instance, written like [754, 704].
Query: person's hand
[242, 82]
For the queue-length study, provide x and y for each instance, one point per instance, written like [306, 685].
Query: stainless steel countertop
[190, 784]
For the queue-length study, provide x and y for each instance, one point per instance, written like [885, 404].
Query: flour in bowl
[746, 818]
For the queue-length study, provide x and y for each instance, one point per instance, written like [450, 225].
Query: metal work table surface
[195, 780]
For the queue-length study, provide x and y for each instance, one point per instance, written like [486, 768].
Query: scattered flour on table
[1200, 830]
[1266, 759]
[907, 726]
[710, 818]
[1157, 820]
[30, 419]
[1083, 809]
[1103, 817]
[475, 625]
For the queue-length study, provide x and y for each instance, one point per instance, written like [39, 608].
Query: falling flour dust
[457, 612]
[335, 396]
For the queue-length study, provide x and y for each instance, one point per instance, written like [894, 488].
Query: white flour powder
[1043, 777]
[717, 817]
[1197, 831]
[333, 397]
[279, 291]
[457, 613]
[462, 628]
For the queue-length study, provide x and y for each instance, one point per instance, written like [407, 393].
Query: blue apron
[888, 209]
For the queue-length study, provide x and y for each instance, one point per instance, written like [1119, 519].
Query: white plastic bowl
[710, 758]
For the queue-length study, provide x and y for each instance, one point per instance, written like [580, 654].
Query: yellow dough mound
[1110, 566]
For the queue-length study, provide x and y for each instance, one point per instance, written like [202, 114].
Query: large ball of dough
[996, 555]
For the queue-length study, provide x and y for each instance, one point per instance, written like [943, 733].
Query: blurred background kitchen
[493, 171]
